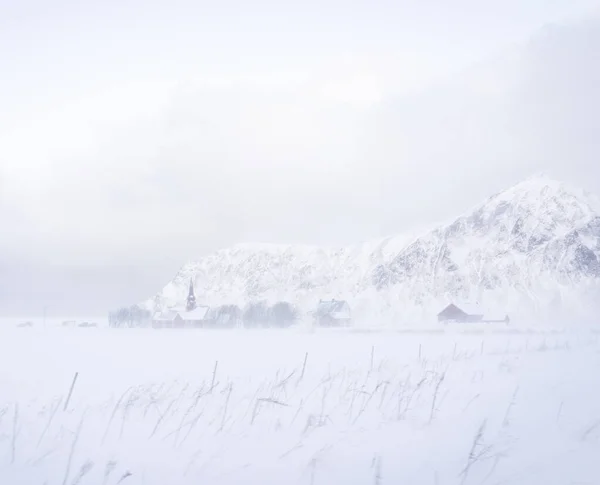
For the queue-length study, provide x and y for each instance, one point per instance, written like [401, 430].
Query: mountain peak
[541, 176]
[540, 189]
[543, 179]
[537, 181]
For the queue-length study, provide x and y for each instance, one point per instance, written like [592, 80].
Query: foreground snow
[178, 407]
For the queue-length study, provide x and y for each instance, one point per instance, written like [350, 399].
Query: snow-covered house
[467, 313]
[333, 313]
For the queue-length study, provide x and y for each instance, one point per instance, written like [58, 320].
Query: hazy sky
[137, 135]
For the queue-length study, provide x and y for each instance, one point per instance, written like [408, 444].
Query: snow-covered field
[283, 407]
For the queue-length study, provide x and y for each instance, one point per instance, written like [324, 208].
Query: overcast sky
[137, 135]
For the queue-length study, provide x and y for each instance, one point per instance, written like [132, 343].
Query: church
[191, 316]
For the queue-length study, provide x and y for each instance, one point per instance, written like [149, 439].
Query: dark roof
[463, 310]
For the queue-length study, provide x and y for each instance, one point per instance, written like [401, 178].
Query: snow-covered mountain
[531, 250]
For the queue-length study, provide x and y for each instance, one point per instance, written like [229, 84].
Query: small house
[333, 313]
[463, 314]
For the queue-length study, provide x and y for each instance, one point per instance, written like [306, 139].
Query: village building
[333, 313]
[468, 313]
[167, 319]
[181, 318]
[190, 316]
[197, 317]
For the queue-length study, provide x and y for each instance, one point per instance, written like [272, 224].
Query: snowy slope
[301, 274]
[532, 249]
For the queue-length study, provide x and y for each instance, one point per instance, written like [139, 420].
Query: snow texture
[531, 252]
[156, 407]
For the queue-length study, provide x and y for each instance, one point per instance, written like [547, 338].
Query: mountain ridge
[530, 250]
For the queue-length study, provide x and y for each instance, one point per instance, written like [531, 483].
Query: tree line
[131, 316]
[254, 315]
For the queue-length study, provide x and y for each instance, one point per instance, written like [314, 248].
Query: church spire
[191, 299]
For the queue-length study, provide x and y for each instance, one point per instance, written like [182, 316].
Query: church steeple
[191, 299]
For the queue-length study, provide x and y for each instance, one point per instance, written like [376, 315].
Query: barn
[467, 313]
